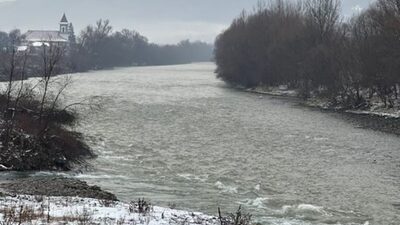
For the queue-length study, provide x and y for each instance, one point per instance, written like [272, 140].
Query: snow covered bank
[27, 210]
[377, 109]
[274, 91]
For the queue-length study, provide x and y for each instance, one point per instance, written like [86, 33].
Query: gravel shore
[54, 186]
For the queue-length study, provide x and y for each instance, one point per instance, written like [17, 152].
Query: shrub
[237, 218]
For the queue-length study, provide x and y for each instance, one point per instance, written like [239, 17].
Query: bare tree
[14, 62]
[323, 16]
[51, 56]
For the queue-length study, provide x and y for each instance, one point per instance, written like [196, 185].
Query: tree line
[307, 45]
[98, 47]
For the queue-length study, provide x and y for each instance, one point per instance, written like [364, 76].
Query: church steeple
[64, 25]
[64, 19]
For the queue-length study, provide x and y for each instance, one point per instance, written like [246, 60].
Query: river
[178, 136]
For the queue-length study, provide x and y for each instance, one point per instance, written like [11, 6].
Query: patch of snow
[387, 114]
[22, 48]
[376, 109]
[3, 167]
[73, 210]
[40, 44]
[275, 91]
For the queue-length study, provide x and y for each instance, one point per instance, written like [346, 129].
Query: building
[38, 38]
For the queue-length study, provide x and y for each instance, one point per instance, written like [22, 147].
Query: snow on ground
[377, 109]
[74, 211]
[275, 91]
[381, 113]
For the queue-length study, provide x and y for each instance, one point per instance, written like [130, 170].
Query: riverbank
[36, 132]
[376, 117]
[24, 209]
[59, 200]
[54, 186]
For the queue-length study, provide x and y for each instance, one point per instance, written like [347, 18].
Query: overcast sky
[162, 21]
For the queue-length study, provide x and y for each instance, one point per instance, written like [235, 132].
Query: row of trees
[307, 46]
[99, 47]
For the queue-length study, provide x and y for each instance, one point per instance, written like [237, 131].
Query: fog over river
[178, 136]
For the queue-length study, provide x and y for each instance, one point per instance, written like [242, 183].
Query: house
[39, 38]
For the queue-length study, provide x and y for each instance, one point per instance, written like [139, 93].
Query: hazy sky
[162, 21]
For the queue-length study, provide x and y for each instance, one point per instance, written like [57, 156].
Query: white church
[39, 38]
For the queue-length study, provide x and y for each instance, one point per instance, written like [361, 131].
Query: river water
[178, 136]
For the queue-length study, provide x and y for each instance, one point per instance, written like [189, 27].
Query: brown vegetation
[237, 218]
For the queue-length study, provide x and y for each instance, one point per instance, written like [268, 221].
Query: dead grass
[237, 218]
[141, 206]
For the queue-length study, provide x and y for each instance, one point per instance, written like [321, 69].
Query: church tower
[64, 25]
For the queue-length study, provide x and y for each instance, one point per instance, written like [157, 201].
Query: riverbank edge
[383, 121]
[30, 210]
[70, 195]
[56, 186]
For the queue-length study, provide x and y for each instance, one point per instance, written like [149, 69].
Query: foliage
[307, 46]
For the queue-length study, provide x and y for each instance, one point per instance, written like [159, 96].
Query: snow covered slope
[74, 211]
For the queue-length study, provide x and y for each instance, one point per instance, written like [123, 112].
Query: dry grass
[35, 210]
[20, 214]
[237, 218]
[141, 206]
